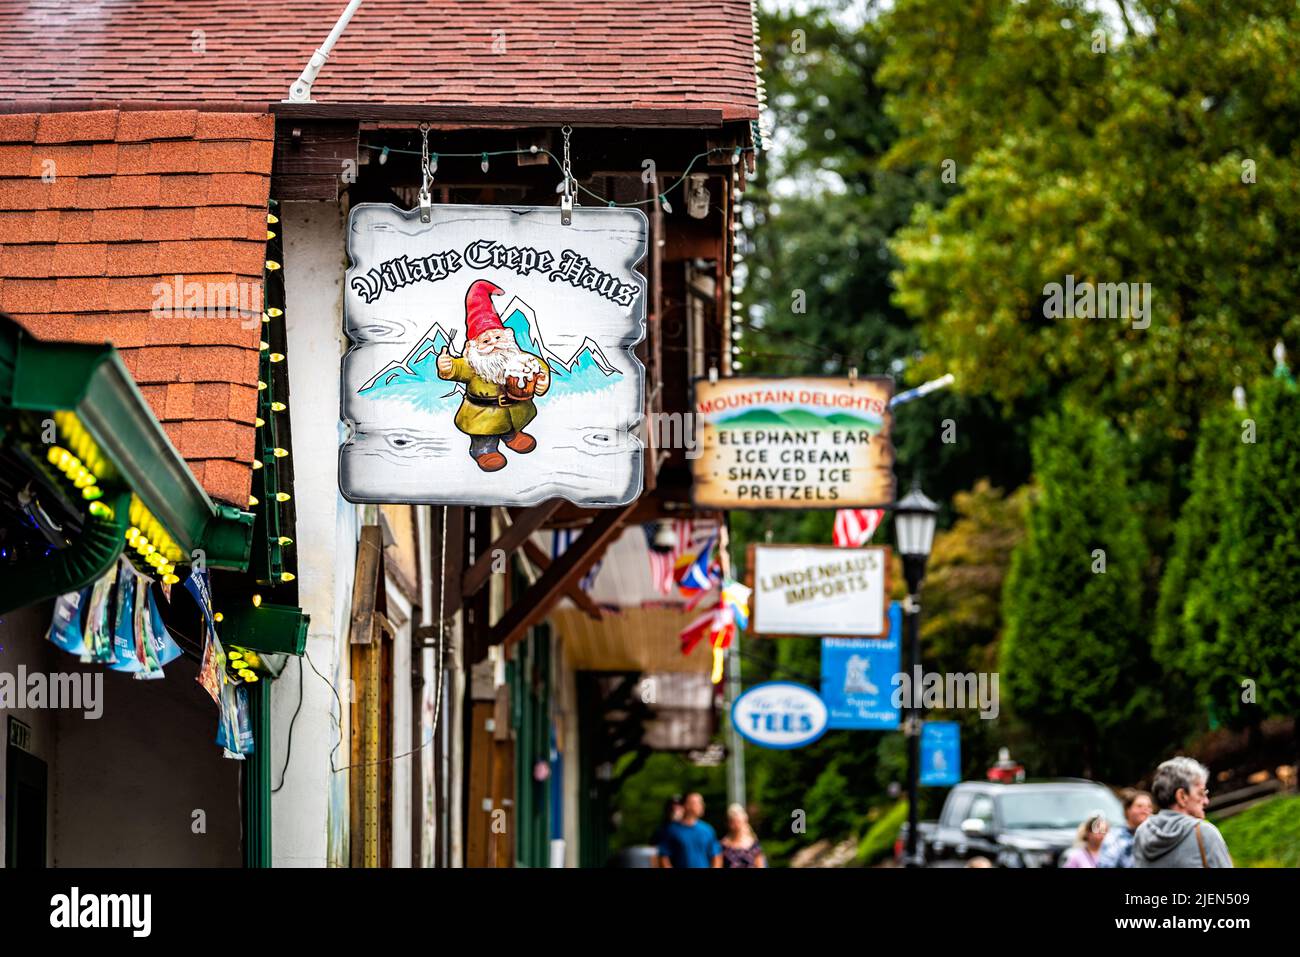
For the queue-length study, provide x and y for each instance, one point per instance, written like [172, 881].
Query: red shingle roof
[669, 54]
[97, 210]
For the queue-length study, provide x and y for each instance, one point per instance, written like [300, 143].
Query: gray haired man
[1179, 835]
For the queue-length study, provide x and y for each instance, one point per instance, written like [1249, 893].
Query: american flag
[689, 535]
[855, 526]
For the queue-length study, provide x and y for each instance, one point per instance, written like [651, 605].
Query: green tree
[962, 604]
[1259, 553]
[1160, 153]
[1075, 662]
[1186, 642]
[822, 212]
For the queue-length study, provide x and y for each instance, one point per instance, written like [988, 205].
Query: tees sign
[780, 714]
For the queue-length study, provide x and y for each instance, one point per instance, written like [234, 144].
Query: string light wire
[483, 155]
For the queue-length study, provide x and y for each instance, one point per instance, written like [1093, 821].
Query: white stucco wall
[310, 812]
[125, 788]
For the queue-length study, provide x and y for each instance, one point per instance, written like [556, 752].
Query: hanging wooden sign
[808, 442]
[819, 590]
[491, 359]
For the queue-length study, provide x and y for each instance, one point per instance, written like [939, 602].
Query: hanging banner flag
[818, 590]
[940, 754]
[858, 678]
[794, 443]
[492, 356]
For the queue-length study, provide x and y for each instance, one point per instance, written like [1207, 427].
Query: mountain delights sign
[491, 359]
[794, 443]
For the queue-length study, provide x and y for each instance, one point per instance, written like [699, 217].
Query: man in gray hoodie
[1179, 835]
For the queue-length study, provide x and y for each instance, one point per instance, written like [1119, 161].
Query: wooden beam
[367, 584]
[446, 579]
[521, 526]
[574, 591]
[311, 158]
[530, 607]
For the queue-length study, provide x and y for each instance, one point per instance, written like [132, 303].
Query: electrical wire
[288, 748]
[535, 150]
[338, 724]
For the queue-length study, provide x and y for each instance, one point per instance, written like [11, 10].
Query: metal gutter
[92, 382]
[73, 568]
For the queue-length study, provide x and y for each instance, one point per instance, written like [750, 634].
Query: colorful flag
[663, 561]
[719, 625]
[688, 535]
[697, 573]
[561, 540]
[736, 597]
[855, 526]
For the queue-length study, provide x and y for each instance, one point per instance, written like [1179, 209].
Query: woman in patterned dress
[740, 848]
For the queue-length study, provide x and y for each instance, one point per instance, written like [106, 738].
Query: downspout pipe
[86, 559]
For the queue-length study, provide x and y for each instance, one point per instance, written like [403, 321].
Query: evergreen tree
[1185, 642]
[1075, 663]
[1259, 554]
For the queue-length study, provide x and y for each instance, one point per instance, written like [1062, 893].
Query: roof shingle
[672, 54]
[111, 224]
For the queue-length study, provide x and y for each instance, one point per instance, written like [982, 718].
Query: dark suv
[1013, 825]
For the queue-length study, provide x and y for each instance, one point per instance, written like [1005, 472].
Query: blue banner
[858, 678]
[940, 753]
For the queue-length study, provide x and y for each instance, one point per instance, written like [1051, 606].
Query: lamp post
[914, 520]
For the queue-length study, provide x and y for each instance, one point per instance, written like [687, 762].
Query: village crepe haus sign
[819, 590]
[492, 356]
[808, 442]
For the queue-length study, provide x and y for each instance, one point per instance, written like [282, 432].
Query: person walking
[1087, 845]
[690, 842]
[1117, 849]
[673, 810]
[740, 847]
[1178, 834]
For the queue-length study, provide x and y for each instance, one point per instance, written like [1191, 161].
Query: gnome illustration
[501, 381]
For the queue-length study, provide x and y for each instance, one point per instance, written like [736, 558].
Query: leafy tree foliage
[1162, 152]
[1259, 555]
[1075, 661]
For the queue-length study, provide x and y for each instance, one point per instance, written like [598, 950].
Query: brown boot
[491, 461]
[521, 443]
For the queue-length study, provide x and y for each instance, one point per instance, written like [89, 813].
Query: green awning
[86, 389]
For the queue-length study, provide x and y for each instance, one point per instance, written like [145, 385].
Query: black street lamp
[914, 521]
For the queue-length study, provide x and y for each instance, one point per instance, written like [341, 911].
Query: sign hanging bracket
[427, 169]
[566, 197]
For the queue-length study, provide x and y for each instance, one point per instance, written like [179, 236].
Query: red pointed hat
[480, 314]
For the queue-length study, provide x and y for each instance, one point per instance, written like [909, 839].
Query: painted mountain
[797, 419]
[415, 378]
[587, 369]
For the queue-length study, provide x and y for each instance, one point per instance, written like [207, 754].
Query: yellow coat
[489, 420]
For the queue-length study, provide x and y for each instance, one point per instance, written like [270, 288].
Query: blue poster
[940, 753]
[858, 678]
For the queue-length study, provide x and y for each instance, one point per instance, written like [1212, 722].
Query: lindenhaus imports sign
[819, 590]
[807, 442]
[491, 359]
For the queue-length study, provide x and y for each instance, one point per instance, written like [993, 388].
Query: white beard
[492, 366]
[501, 363]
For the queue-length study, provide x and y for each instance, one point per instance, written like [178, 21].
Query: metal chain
[426, 181]
[568, 168]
